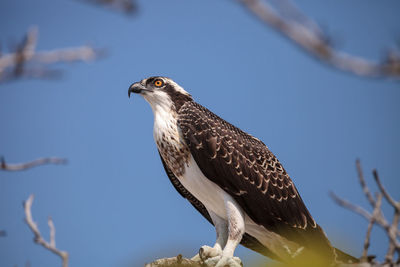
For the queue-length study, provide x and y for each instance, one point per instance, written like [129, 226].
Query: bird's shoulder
[192, 114]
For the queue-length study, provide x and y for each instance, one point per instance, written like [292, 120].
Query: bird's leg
[221, 228]
[236, 230]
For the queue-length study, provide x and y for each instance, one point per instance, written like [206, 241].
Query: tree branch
[377, 216]
[37, 236]
[26, 62]
[363, 184]
[311, 39]
[392, 202]
[396, 217]
[129, 7]
[177, 261]
[24, 166]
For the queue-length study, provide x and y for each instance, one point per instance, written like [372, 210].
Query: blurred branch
[363, 184]
[395, 222]
[129, 7]
[24, 166]
[377, 216]
[38, 238]
[310, 38]
[3, 233]
[27, 62]
[177, 261]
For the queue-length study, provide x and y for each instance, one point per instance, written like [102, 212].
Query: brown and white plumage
[231, 178]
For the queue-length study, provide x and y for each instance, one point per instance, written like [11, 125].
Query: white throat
[165, 117]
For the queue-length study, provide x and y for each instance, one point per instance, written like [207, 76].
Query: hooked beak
[136, 88]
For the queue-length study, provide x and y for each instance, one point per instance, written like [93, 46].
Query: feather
[271, 200]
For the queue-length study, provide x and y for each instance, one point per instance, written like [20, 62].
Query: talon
[206, 252]
[225, 261]
[201, 254]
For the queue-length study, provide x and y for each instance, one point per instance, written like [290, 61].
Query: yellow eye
[158, 83]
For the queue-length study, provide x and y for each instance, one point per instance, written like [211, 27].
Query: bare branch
[26, 62]
[312, 40]
[24, 166]
[350, 206]
[52, 232]
[371, 223]
[38, 237]
[129, 7]
[377, 216]
[25, 50]
[395, 205]
[363, 184]
[395, 221]
[393, 236]
[378, 219]
[177, 261]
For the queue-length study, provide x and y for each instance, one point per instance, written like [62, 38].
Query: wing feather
[238, 163]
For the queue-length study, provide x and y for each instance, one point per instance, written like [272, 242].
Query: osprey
[233, 180]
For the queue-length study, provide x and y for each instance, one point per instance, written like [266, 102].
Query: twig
[24, 166]
[350, 206]
[129, 7]
[375, 214]
[363, 184]
[19, 63]
[38, 238]
[396, 217]
[357, 209]
[315, 43]
[395, 205]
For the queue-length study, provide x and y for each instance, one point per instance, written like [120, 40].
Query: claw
[222, 261]
[206, 252]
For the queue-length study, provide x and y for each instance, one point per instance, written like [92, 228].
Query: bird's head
[161, 92]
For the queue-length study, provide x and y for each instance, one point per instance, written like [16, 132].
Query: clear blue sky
[112, 204]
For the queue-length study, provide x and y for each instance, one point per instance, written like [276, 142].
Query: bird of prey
[233, 180]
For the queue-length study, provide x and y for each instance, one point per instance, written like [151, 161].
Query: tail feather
[344, 257]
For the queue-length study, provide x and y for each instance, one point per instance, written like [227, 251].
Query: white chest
[212, 197]
[210, 194]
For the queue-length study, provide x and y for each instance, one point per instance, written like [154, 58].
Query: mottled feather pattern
[171, 146]
[257, 181]
[247, 240]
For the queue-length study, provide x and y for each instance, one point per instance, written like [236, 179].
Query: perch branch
[51, 246]
[26, 62]
[311, 39]
[24, 166]
[177, 261]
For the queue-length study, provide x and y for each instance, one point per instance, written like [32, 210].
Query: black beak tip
[131, 90]
[135, 88]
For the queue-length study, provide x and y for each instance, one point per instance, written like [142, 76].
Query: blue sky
[112, 204]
